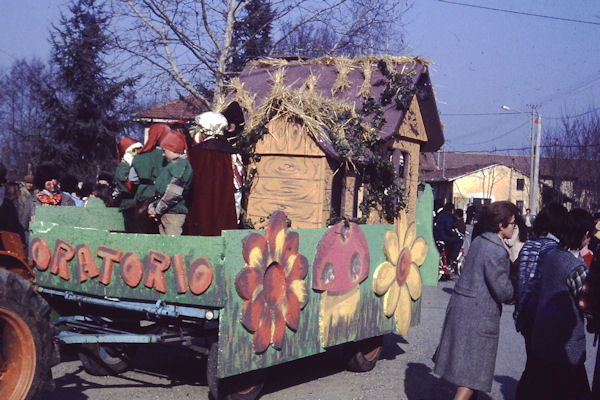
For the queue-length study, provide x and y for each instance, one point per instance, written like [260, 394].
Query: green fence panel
[424, 220]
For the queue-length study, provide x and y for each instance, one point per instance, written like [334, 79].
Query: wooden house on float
[319, 138]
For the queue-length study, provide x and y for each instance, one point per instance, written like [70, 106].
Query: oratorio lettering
[151, 270]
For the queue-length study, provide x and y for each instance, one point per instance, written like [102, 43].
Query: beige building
[493, 183]
[479, 178]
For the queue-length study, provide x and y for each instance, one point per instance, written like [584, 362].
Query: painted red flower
[272, 283]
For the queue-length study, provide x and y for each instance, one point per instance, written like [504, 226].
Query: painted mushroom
[341, 264]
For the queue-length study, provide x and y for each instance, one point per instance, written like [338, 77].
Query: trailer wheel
[363, 355]
[106, 359]
[26, 340]
[241, 387]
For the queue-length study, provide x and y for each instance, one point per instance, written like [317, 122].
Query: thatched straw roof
[318, 90]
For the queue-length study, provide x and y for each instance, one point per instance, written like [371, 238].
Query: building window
[399, 159]
[520, 184]
[520, 205]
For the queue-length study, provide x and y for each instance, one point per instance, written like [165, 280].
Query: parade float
[337, 246]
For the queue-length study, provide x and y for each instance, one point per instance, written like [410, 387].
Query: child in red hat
[146, 166]
[127, 148]
[172, 185]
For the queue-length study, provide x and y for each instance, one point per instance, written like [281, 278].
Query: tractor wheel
[27, 348]
[363, 355]
[106, 359]
[240, 387]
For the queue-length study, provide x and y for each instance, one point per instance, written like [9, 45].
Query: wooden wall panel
[293, 184]
[291, 167]
[412, 125]
[287, 138]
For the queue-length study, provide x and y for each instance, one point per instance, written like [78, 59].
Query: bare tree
[572, 152]
[189, 43]
[22, 115]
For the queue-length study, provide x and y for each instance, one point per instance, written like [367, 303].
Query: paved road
[404, 372]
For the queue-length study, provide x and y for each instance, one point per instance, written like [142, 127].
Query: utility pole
[534, 161]
[534, 172]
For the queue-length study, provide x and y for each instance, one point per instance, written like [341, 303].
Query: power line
[584, 83]
[8, 54]
[546, 146]
[514, 113]
[497, 137]
[475, 114]
[521, 13]
[574, 116]
[488, 151]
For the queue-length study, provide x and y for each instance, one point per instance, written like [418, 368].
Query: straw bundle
[343, 66]
[367, 70]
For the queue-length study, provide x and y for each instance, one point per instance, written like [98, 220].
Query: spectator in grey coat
[466, 355]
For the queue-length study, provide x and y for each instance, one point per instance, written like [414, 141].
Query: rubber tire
[106, 359]
[240, 387]
[363, 355]
[19, 300]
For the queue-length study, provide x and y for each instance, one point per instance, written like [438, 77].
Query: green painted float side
[100, 217]
[235, 342]
[190, 247]
[424, 221]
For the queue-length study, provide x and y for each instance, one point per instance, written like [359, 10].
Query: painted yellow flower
[398, 279]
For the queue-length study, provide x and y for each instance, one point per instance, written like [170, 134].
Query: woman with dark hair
[556, 349]
[466, 355]
[547, 229]
[579, 227]
[47, 181]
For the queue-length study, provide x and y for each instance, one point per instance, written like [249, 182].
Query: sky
[481, 60]
[484, 59]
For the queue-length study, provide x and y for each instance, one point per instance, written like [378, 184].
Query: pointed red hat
[155, 133]
[174, 141]
[123, 145]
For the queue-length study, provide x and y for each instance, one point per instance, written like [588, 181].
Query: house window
[520, 184]
[520, 205]
[399, 159]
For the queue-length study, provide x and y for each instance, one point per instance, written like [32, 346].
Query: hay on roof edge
[329, 60]
[319, 114]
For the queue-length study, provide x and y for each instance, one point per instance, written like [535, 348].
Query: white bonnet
[211, 123]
